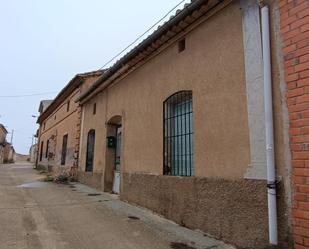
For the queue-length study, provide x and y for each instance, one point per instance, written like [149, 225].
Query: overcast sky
[44, 43]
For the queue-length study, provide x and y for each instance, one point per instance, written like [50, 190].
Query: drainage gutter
[270, 155]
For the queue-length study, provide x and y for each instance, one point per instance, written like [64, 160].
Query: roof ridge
[175, 20]
[95, 72]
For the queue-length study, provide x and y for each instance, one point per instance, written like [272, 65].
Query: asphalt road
[39, 215]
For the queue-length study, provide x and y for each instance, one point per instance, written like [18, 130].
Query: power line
[25, 95]
[142, 34]
[132, 43]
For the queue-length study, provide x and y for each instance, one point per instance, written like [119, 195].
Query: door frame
[117, 170]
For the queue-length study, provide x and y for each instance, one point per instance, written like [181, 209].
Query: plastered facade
[61, 122]
[213, 67]
[166, 74]
[64, 119]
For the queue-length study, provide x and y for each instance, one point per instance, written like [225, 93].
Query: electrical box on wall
[111, 142]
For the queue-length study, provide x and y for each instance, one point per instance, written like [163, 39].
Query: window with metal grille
[178, 135]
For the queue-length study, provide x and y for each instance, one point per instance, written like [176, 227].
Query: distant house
[33, 152]
[21, 157]
[59, 120]
[9, 153]
[44, 104]
[3, 133]
[6, 149]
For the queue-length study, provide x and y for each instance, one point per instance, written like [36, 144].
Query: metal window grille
[178, 135]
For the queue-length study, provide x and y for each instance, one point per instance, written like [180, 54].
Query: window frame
[64, 149]
[94, 111]
[89, 167]
[68, 106]
[182, 45]
[41, 151]
[178, 132]
[47, 148]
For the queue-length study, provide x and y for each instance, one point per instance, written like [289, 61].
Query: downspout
[270, 157]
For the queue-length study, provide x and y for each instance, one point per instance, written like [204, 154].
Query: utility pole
[12, 135]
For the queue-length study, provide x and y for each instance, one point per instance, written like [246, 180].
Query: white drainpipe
[271, 172]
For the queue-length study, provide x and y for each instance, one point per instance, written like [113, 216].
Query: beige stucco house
[33, 153]
[177, 125]
[59, 120]
[9, 153]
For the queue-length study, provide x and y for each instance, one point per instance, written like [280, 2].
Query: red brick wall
[294, 15]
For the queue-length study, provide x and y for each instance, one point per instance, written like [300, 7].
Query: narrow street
[36, 214]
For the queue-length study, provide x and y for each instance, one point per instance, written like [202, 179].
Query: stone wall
[91, 179]
[230, 210]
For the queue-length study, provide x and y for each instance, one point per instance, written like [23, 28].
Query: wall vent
[181, 45]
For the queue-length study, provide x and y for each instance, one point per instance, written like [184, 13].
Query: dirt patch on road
[30, 226]
[178, 245]
[131, 217]
[29, 223]
[93, 194]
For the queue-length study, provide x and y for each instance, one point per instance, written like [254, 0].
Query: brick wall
[294, 15]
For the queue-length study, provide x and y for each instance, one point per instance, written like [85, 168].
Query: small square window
[181, 45]
[68, 106]
[94, 108]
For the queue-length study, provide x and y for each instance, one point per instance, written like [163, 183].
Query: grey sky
[44, 43]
